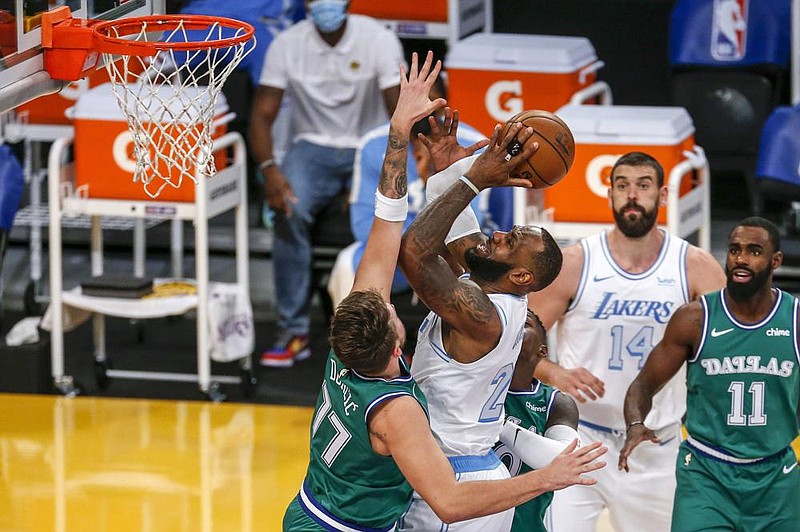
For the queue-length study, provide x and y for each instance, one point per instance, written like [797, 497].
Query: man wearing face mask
[611, 301]
[340, 70]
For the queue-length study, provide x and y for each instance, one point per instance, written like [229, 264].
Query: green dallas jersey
[530, 410]
[347, 483]
[743, 383]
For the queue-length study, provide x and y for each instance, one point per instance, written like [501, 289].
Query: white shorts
[639, 500]
[420, 517]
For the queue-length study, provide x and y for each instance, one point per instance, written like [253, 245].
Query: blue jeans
[317, 174]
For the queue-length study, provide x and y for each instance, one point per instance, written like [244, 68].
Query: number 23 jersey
[465, 401]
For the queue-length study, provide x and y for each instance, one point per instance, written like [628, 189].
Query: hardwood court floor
[100, 464]
[107, 464]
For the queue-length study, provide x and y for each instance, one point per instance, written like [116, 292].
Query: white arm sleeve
[535, 450]
[563, 433]
[465, 223]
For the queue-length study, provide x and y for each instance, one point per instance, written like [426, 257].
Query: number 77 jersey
[743, 382]
[347, 482]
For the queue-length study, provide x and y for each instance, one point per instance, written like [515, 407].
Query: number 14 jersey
[615, 320]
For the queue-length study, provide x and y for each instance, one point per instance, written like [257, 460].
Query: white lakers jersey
[465, 401]
[614, 322]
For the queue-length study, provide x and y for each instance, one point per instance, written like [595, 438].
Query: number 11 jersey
[743, 382]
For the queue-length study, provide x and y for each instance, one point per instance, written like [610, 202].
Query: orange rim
[117, 44]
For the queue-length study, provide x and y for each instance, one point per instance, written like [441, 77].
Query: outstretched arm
[461, 304]
[536, 450]
[400, 424]
[681, 338]
[376, 269]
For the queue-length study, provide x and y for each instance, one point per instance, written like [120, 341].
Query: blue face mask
[328, 15]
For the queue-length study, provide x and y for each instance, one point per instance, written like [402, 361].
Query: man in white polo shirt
[341, 72]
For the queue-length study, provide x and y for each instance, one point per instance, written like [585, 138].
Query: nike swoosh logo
[715, 333]
[788, 469]
[598, 279]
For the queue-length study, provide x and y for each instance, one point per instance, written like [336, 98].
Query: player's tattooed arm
[459, 247]
[394, 181]
[461, 304]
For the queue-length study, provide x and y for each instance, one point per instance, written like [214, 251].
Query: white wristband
[391, 209]
[267, 164]
[469, 183]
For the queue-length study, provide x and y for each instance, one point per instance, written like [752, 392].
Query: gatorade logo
[504, 99]
[122, 152]
[598, 174]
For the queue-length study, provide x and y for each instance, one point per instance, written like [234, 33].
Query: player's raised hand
[414, 102]
[636, 434]
[495, 166]
[442, 142]
[568, 468]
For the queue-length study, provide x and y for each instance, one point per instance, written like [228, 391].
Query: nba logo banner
[729, 30]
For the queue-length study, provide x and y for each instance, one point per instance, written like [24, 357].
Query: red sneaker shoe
[286, 351]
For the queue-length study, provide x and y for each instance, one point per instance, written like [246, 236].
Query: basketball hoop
[166, 73]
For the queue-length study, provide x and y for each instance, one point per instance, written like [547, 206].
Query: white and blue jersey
[615, 320]
[366, 174]
[465, 401]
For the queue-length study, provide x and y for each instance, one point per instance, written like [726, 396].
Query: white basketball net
[170, 101]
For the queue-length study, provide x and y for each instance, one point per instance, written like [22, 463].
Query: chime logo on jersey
[774, 331]
[729, 30]
[612, 306]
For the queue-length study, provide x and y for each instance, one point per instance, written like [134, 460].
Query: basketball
[551, 162]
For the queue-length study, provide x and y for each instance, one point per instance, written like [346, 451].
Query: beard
[484, 268]
[744, 291]
[639, 227]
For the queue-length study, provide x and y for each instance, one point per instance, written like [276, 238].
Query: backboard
[22, 73]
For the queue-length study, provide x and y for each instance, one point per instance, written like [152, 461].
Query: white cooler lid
[99, 103]
[627, 124]
[521, 53]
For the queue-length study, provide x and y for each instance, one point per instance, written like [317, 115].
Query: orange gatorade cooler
[602, 134]
[51, 109]
[432, 10]
[493, 76]
[104, 147]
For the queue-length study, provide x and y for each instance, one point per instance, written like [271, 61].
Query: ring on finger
[507, 157]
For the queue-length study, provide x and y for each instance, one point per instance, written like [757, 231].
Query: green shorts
[713, 495]
[296, 520]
